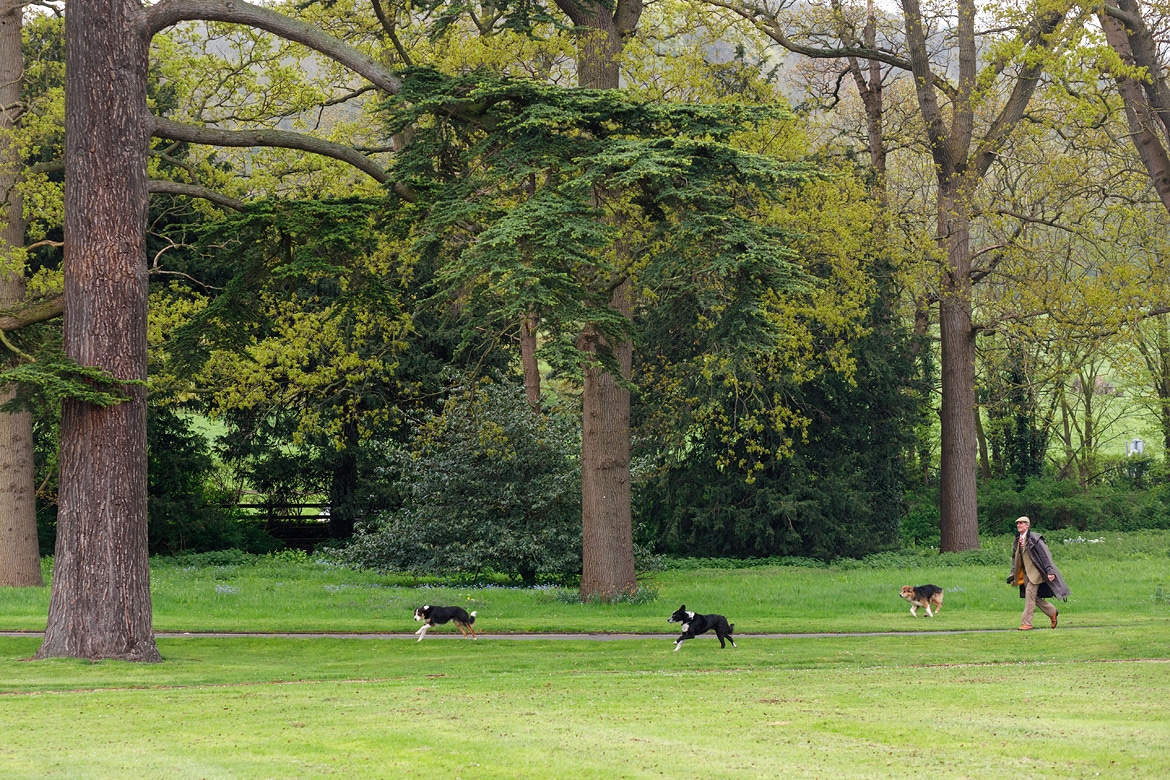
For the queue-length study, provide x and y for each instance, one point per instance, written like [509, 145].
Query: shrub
[1051, 503]
[489, 486]
[919, 527]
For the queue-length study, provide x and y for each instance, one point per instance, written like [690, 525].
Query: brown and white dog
[923, 596]
[437, 616]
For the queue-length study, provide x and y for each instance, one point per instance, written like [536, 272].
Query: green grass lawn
[1115, 581]
[1086, 700]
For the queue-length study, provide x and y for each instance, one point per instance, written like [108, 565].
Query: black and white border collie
[437, 616]
[694, 624]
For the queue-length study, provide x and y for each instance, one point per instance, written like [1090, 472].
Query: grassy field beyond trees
[922, 701]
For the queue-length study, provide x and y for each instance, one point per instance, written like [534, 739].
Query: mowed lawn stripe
[804, 708]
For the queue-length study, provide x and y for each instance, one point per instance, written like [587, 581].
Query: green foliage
[839, 491]
[898, 560]
[1017, 431]
[1062, 504]
[311, 250]
[537, 199]
[41, 387]
[919, 527]
[691, 564]
[490, 486]
[314, 346]
[49, 378]
[187, 510]
[645, 594]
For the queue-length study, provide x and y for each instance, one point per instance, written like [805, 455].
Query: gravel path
[596, 637]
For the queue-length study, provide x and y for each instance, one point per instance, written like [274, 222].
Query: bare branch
[170, 12]
[769, 24]
[349, 96]
[167, 128]
[31, 313]
[194, 191]
[388, 26]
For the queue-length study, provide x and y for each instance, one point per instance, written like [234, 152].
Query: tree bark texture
[603, 31]
[1141, 111]
[20, 560]
[949, 146]
[959, 522]
[528, 360]
[607, 546]
[100, 605]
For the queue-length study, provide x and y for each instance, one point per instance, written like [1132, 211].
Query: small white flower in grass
[226, 589]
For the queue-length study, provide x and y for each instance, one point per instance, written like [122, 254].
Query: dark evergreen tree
[839, 493]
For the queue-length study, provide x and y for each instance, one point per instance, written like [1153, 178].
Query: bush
[489, 486]
[919, 526]
[1052, 504]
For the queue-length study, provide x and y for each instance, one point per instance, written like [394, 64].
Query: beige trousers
[1031, 601]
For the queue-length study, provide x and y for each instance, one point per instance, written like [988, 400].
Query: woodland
[547, 289]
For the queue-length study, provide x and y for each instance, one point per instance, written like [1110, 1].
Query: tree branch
[210, 136]
[348, 97]
[32, 313]
[936, 130]
[388, 27]
[194, 191]
[1144, 51]
[1025, 86]
[767, 22]
[170, 12]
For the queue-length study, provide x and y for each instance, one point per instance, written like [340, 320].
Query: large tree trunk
[100, 605]
[607, 563]
[20, 561]
[959, 522]
[607, 554]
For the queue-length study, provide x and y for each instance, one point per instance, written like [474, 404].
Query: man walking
[1037, 576]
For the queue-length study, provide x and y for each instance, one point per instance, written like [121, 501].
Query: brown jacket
[1040, 556]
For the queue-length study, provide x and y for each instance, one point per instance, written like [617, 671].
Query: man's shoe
[1055, 615]
[1025, 627]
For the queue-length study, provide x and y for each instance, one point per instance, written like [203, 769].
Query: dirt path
[588, 637]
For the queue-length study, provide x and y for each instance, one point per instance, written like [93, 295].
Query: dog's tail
[731, 628]
[472, 621]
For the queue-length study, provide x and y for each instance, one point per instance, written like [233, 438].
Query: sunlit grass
[1085, 700]
[1079, 703]
[1114, 581]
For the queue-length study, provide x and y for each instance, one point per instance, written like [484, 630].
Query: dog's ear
[681, 607]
